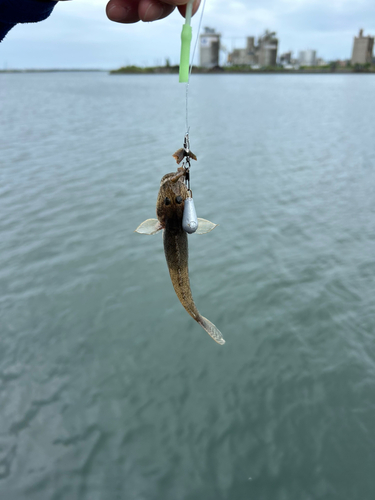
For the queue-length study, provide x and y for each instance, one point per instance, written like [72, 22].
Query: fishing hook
[186, 148]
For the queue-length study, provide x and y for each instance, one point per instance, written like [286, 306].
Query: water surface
[108, 389]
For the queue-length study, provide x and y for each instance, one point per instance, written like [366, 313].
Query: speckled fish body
[169, 211]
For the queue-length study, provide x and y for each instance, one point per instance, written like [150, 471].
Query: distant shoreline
[227, 70]
[53, 70]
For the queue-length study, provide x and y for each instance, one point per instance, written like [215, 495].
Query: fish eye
[167, 201]
[179, 200]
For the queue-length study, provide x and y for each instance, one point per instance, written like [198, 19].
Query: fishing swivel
[184, 155]
[189, 218]
[187, 165]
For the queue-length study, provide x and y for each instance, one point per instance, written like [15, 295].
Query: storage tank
[268, 49]
[307, 58]
[209, 48]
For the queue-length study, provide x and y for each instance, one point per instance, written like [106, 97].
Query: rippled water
[108, 389]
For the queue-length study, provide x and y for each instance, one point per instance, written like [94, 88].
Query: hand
[132, 11]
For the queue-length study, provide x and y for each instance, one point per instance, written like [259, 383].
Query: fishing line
[189, 218]
[190, 69]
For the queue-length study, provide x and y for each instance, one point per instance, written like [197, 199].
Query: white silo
[209, 48]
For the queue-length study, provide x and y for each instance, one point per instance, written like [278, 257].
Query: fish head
[171, 198]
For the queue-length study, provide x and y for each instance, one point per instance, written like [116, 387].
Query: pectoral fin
[149, 226]
[205, 226]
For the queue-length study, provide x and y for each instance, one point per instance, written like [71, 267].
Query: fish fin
[205, 226]
[211, 330]
[179, 155]
[149, 226]
[180, 173]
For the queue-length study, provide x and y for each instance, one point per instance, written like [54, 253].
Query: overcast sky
[79, 35]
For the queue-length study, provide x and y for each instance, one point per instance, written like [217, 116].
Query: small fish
[169, 210]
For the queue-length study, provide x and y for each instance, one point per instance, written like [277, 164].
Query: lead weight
[189, 218]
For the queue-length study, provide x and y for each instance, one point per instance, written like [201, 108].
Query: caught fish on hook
[170, 208]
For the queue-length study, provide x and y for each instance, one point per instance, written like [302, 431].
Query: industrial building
[209, 48]
[286, 58]
[264, 53]
[362, 49]
[244, 57]
[307, 58]
[267, 49]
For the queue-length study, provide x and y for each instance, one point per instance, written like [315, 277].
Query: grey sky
[78, 33]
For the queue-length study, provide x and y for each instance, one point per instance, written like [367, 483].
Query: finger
[132, 11]
[176, 3]
[151, 10]
[181, 4]
[182, 8]
[123, 11]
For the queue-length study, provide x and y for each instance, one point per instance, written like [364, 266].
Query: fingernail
[153, 12]
[117, 13]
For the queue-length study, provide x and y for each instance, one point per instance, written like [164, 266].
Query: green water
[108, 389]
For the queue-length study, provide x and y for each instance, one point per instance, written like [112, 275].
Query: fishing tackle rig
[184, 155]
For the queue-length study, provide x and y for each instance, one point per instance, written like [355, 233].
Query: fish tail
[211, 330]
